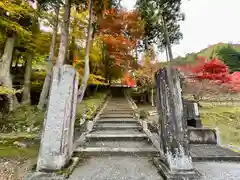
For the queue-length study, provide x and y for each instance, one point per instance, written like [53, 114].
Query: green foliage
[143, 114]
[11, 151]
[21, 119]
[5, 90]
[154, 30]
[228, 53]
[89, 106]
[230, 56]
[16, 16]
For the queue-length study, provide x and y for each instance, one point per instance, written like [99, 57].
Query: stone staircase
[117, 131]
[117, 147]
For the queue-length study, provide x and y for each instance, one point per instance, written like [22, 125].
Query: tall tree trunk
[26, 98]
[47, 82]
[73, 39]
[5, 69]
[152, 98]
[83, 86]
[168, 43]
[64, 34]
[167, 54]
[71, 50]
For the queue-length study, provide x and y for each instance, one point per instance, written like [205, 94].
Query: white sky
[207, 22]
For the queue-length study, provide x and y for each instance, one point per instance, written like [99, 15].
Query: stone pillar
[191, 113]
[173, 127]
[57, 137]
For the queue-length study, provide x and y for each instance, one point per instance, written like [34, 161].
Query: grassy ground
[225, 116]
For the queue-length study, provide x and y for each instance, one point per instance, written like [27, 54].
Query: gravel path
[14, 169]
[116, 168]
[218, 170]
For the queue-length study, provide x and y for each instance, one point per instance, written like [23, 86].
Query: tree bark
[64, 34]
[26, 98]
[83, 86]
[167, 54]
[72, 45]
[152, 98]
[168, 43]
[5, 67]
[47, 82]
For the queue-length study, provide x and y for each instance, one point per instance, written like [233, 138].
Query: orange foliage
[129, 80]
[120, 31]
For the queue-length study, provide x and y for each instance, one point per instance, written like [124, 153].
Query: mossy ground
[89, 106]
[17, 122]
[10, 151]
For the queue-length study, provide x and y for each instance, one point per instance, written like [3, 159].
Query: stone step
[116, 115]
[115, 106]
[119, 143]
[101, 136]
[119, 126]
[119, 103]
[119, 112]
[211, 152]
[117, 120]
[116, 151]
[119, 131]
[112, 108]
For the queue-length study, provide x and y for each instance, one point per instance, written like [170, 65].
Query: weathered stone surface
[117, 125]
[119, 115]
[202, 136]
[212, 152]
[175, 174]
[174, 135]
[57, 137]
[191, 113]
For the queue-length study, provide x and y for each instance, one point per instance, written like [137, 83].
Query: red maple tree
[211, 75]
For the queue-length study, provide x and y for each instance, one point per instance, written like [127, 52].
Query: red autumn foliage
[215, 71]
[129, 80]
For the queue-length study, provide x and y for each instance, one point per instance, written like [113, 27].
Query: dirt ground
[15, 169]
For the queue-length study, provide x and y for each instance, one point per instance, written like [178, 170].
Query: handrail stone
[57, 137]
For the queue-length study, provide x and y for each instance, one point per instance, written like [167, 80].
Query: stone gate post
[173, 127]
[57, 137]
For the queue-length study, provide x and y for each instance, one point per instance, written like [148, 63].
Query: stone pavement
[218, 170]
[128, 167]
